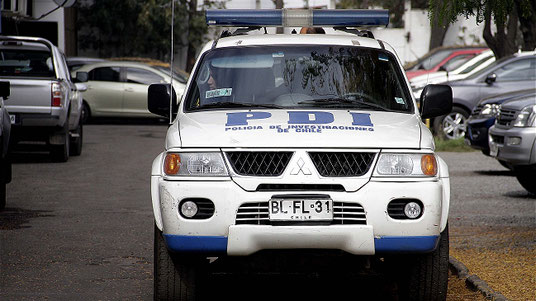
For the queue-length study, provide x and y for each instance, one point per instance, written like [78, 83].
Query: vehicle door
[515, 75]
[136, 85]
[104, 91]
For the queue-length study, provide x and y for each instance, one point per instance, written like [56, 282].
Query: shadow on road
[495, 172]
[16, 218]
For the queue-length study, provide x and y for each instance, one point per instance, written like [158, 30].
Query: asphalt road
[83, 230]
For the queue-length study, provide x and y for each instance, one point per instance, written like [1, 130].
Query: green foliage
[118, 28]
[454, 145]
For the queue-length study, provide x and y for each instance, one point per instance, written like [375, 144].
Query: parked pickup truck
[45, 103]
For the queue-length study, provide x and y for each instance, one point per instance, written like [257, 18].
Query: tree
[509, 16]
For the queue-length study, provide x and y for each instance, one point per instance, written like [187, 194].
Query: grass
[455, 145]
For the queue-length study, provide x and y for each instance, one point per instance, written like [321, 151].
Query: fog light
[189, 209]
[513, 140]
[412, 210]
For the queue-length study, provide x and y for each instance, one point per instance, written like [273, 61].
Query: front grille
[343, 214]
[300, 187]
[477, 110]
[506, 116]
[263, 164]
[341, 164]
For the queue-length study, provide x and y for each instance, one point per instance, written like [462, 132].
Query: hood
[299, 128]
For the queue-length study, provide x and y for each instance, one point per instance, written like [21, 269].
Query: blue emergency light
[297, 17]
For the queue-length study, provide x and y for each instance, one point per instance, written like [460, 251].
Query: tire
[86, 113]
[452, 125]
[425, 276]
[506, 164]
[75, 148]
[526, 179]
[60, 153]
[175, 277]
[3, 183]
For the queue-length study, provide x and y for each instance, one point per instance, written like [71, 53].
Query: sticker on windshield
[219, 92]
[278, 54]
[400, 100]
[383, 57]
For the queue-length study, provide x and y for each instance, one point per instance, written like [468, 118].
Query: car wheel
[60, 152]
[77, 141]
[452, 125]
[506, 164]
[3, 183]
[86, 113]
[425, 276]
[526, 179]
[175, 277]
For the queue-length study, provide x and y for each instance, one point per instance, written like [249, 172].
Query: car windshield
[26, 63]
[298, 77]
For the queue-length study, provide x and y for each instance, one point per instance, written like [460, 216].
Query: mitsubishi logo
[304, 170]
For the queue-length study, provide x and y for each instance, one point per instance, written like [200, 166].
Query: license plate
[12, 118]
[301, 209]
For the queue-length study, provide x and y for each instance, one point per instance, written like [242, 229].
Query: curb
[473, 281]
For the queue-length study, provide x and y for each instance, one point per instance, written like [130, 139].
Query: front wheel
[176, 277]
[526, 179]
[425, 276]
[453, 125]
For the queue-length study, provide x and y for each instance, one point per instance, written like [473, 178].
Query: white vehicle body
[358, 131]
[481, 61]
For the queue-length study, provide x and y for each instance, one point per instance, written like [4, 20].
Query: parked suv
[299, 145]
[5, 131]
[45, 104]
[513, 139]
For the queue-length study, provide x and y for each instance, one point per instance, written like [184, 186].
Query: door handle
[129, 90]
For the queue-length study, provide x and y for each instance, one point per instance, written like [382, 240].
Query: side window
[524, 69]
[142, 76]
[108, 74]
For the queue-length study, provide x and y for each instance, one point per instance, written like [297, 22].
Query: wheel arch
[156, 177]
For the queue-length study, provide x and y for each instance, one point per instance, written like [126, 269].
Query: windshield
[299, 77]
[26, 63]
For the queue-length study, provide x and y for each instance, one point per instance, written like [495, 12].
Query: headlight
[526, 117]
[419, 165]
[194, 164]
[489, 110]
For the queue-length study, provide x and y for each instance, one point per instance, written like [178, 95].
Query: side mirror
[5, 90]
[442, 68]
[491, 78]
[436, 100]
[158, 100]
[81, 87]
[81, 77]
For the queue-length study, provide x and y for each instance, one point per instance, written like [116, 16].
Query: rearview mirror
[436, 100]
[158, 100]
[81, 77]
[5, 90]
[491, 78]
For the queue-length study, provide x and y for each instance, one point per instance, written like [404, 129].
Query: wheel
[76, 142]
[86, 113]
[425, 276]
[506, 164]
[452, 125]
[526, 179]
[175, 277]
[60, 152]
[3, 183]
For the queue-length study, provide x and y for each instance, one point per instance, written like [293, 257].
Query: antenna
[171, 65]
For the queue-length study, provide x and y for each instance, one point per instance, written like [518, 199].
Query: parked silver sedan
[119, 89]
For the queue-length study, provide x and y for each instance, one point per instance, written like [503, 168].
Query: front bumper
[476, 135]
[220, 234]
[523, 152]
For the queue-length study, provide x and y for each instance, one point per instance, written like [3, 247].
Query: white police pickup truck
[288, 142]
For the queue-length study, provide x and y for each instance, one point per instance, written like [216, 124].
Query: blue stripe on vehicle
[208, 244]
[406, 243]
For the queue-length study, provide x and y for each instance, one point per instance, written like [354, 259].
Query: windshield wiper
[338, 101]
[230, 104]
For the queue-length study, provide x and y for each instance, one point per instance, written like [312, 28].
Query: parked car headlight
[526, 117]
[393, 164]
[490, 110]
[194, 164]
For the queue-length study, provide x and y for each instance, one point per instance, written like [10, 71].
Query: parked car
[5, 131]
[442, 58]
[513, 139]
[75, 62]
[483, 117]
[513, 73]
[119, 88]
[45, 104]
[468, 68]
[286, 142]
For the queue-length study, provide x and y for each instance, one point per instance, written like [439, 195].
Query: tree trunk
[190, 54]
[503, 42]
[527, 25]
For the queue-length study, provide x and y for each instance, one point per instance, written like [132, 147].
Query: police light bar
[297, 17]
